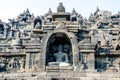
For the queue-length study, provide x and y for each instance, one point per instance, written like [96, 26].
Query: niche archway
[54, 41]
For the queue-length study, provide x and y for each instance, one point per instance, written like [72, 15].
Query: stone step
[58, 75]
[49, 78]
[73, 30]
[33, 47]
[59, 68]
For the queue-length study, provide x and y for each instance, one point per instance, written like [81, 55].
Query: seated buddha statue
[61, 58]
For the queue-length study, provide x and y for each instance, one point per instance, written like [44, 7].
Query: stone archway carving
[73, 41]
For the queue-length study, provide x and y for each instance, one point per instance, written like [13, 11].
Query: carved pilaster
[91, 62]
[5, 32]
[42, 62]
[75, 51]
[27, 64]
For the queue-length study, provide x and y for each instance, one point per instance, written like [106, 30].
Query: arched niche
[70, 39]
[1, 29]
[53, 43]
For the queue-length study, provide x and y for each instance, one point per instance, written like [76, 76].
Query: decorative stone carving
[103, 41]
[36, 21]
[18, 40]
[13, 64]
[22, 64]
[61, 27]
[60, 8]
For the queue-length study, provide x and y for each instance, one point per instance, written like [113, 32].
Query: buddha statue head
[60, 48]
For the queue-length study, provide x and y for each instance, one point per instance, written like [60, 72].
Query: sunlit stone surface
[61, 46]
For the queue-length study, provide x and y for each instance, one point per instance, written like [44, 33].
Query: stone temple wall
[60, 46]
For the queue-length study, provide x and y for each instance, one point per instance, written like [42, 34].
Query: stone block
[113, 78]
[72, 79]
[116, 75]
[86, 78]
[106, 75]
[42, 74]
[93, 75]
[63, 75]
[77, 74]
[100, 78]
[70, 75]
[53, 75]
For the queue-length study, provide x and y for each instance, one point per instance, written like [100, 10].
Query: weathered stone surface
[29, 44]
